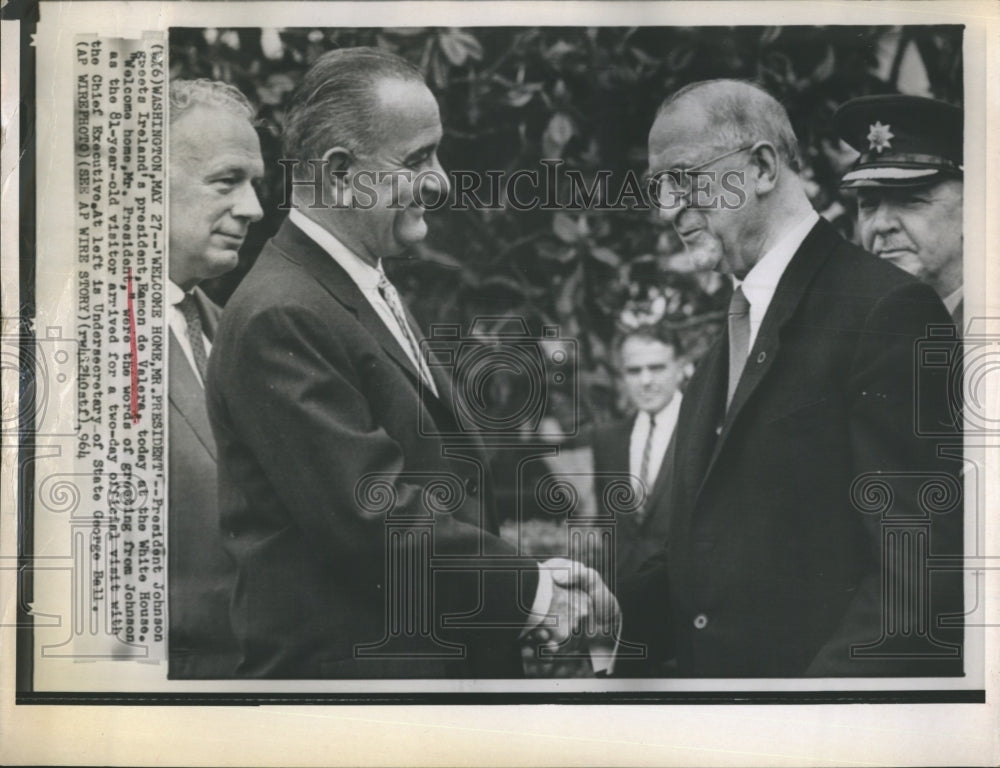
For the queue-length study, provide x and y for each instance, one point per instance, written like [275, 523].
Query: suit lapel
[301, 249]
[700, 417]
[791, 288]
[441, 380]
[621, 439]
[208, 311]
[187, 395]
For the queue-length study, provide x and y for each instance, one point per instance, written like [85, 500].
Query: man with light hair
[775, 563]
[215, 161]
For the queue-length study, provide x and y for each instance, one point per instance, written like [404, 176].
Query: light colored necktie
[647, 449]
[194, 333]
[388, 292]
[644, 468]
[739, 339]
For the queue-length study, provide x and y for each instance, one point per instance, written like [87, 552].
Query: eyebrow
[681, 161]
[235, 169]
[425, 149]
[900, 194]
[687, 158]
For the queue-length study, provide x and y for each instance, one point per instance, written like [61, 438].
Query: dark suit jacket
[201, 572]
[769, 569]
[311, 399]
[637, 536]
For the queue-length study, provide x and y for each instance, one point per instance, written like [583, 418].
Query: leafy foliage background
[513, 96]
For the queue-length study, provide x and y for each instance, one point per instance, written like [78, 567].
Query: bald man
[796, 421]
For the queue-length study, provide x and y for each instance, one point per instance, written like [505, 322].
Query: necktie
[388, 293]
[739, 339]
[644, 475]
[194, 333]
[644, 464]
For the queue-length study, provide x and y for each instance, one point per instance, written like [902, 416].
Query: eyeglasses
[676, 182]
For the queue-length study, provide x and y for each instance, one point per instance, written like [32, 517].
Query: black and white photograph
[371, 358]
[756, 548]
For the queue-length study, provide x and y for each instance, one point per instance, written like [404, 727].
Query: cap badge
[878, 136]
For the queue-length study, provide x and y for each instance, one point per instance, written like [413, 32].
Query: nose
[671, 203]
[246, 205]
[883, 219]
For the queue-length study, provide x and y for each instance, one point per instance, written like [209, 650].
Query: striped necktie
[388, 293]
[195, 334]
[739, 339]
[644, 464]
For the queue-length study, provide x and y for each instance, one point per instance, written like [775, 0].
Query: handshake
[578, 635]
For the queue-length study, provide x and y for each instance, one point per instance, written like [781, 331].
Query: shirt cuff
[603, 652]
[542, 602]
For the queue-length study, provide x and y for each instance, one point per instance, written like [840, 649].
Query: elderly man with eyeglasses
[779, 560]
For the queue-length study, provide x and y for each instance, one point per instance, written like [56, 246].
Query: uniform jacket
[774, 564]
[201, 572]
[329, 454]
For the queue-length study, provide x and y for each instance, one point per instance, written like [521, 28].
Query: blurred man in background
[641, 445]
[909, 185]
[215, 161]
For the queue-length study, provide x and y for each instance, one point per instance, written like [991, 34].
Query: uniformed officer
[909, 185]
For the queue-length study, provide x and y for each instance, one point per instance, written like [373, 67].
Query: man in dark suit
[640, 446]
[909, 182]
[801, 493]
[214, 161]
[337, 483]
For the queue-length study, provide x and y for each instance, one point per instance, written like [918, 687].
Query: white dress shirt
[952, 300]
[666, 420]
[762, 279]
[175, 318]
[364, 275]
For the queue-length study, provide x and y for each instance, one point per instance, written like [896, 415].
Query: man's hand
[603, 615]
[582, 608]
[556, 648]
[583, 619]
[568, 614]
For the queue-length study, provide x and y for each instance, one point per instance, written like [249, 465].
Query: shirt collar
[762, 279]
[662, 415]
[175, 294]
[952, 300]
[364, 275]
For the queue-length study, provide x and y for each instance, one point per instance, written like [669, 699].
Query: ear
[765, 160]
[336, 174]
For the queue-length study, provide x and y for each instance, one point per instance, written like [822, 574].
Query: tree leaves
[606, 256]
[557, 133]
[458, 47]
[568, 229]
[520, 95]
